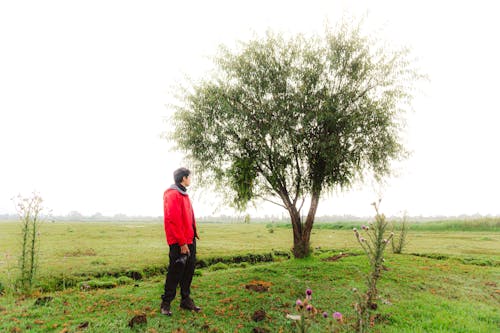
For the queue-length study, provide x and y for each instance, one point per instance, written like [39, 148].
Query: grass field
[451, 286]
[87, 248]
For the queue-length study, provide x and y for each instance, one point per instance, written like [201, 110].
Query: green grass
[446, 282]
[420, 295]
[71, 251]
[483, 224]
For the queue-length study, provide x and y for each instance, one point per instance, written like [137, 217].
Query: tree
[287, 119]
[75, 215]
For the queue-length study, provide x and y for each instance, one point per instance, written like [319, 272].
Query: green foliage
[300, 113]
[288, 118]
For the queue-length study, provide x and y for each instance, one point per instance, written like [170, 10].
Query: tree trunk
[302, 232]
[298, 247]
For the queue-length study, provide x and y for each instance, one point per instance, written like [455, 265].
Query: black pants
[179, 274]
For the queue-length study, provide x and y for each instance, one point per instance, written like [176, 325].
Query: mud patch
[258, 286]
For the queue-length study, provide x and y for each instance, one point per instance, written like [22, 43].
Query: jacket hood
[177, 188]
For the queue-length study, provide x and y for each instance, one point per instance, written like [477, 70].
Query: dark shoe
[188, 304]
[165, 308]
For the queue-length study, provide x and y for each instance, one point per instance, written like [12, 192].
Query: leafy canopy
[291, 117]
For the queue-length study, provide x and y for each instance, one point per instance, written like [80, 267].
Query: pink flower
[362, 239]
[325, 314]
[299, 303]
[337, 316]
[308, 294]
[309, 307]
[363, 227]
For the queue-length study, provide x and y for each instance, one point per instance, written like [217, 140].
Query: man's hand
[185, 249]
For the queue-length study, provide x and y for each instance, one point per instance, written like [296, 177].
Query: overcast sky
[83, 89]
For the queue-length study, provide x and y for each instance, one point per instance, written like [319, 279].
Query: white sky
[83, 88]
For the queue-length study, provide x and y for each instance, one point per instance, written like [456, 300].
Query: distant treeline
[340, 222]
[83, 218]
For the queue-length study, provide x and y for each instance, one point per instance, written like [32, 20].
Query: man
[180, 230]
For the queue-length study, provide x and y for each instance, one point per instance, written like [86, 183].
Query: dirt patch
[43, 300]
[137, 320]
[259, 315]
[258, 286]
[83, 325]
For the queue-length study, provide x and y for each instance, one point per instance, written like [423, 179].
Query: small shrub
[374, 246]
[30, 211]
[400, 239]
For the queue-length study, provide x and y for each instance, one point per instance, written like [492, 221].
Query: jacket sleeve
[173, 213]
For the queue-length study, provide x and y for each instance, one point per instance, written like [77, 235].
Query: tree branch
[302, 204]
[274, 202]
[299, 175]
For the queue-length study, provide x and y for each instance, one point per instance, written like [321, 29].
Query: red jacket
[178, 217]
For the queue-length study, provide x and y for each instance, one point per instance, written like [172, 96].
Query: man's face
[186, 181]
